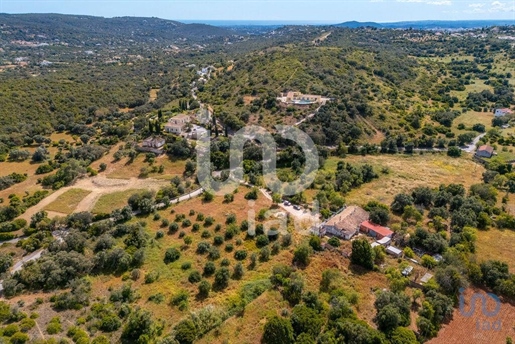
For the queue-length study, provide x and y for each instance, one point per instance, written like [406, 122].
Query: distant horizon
[303, 11]
[265, 22]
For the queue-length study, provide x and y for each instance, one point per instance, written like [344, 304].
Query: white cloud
[430, 2]
[491, 7]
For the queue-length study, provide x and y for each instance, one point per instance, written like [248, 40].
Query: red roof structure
[382, 231]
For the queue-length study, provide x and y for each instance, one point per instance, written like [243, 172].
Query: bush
[171, 255]
[278, 331]
[222, 278]
[209, 269]
[214, 253]
[264, 254]
[238, 271]
[180, 300]
[301, 255]
[54, 326]
[262, 240]
[204, 288]
[218, 240]
[26, 324]
[173, 228]
[334, 241]
[186, 266]
[19, 338]
[151, 277]
[185, 332]
[229, 247]
[194, 277]
[315, 243]
[209, 221]
[10, 329]
[203, 247]
[240, 255]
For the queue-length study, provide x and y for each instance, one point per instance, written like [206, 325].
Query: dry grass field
[407, 172]
[68, 201]
[472, 117]
[124, 170]
[116, 200]
[496, 244]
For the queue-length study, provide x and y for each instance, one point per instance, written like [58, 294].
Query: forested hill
[78, 28]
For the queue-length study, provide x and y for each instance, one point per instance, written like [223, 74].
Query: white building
[502, 112]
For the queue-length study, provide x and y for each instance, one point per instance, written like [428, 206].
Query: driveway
[471, 148]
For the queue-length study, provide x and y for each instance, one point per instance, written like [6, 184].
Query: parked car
[296, 207]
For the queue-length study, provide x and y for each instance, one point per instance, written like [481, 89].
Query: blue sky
[311, 11]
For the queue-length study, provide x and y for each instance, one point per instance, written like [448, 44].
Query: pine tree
[150, 127]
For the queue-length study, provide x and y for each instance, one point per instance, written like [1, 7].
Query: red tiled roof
[486, 148]
[377, 228]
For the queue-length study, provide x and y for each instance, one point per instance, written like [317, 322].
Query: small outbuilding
[376, 231]
[394, 251]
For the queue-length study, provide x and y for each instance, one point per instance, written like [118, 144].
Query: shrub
[277, 331]
[264, 254]
[240, 255]
[26, 324]
[203, 247]
[173, 228]
[209, 221]
[204, 288]
[194, 277]
[54, 326]
[238, 271]
[229, 247]
[222, 278]
[171, 255]
[10, 329]
[205, 234]
[19, 338]
[231, 218]
[315, 243]
[180, 300]
[214, 253]
[218, 240]
[186, 266]
[301, 255]
[209, 269]
[151, 277]
[262, 240]
[225, 262]
[334, 241]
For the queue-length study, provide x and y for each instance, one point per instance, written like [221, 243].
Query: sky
[327, 11]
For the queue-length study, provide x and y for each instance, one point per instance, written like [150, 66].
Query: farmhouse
[153, 144]
[485, 151]
[346, 223]
[197, 132]
[176, 124]
[297, 98]
[502, 112]
[375, 231]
